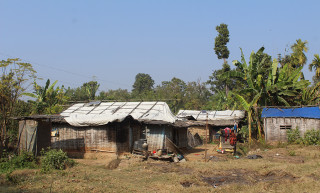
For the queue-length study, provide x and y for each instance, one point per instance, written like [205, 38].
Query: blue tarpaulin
[304, 112]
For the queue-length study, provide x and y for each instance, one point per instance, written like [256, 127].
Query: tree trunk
[258, 121]
[1, 147]
[227, 90]
[249, 126]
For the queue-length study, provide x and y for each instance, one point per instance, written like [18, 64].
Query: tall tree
[143, 84]
[221, 49]
[220, 42]
[217, 82]
[14, 79]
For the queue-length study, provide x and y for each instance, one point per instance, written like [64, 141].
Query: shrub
[24, 160]
[311, 137]
[55, 159]
[293, 136]
[244, 132]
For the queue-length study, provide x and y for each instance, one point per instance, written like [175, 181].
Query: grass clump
[11, 163]
[55, 159]
[292, 153]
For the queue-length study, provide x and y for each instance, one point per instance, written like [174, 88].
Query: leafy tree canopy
[143, 84]
[220, 43]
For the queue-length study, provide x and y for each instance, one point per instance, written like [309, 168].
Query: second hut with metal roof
[196, 121]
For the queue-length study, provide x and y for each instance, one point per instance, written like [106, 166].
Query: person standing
[235, 127]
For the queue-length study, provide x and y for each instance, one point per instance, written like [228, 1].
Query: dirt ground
[280, 169]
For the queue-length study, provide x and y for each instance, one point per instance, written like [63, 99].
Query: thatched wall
[276, 128]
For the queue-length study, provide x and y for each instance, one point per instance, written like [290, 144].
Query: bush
[244, 132]
[24, 160]
[312, 137]
[55, 159]
[293, 136]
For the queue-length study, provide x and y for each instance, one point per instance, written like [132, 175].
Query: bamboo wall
[113, 138]
[274, 133]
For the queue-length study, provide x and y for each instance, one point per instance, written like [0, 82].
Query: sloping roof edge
[303, 112]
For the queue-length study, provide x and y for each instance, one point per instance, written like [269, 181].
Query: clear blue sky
[72, 41]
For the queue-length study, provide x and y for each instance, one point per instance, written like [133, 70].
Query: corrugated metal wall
[156, 136]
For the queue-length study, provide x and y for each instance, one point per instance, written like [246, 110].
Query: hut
[197, 121]
[103, 127]
[277, 121]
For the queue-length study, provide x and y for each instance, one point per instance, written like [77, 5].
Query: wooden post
[206, 141]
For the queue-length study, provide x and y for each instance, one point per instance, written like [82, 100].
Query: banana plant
[283, 85]
[248, 106]
[46, 97]
[41, 93]
[265, 85]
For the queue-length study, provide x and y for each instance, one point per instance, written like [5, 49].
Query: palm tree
[309, 95]
[299, 48]
[315, 65]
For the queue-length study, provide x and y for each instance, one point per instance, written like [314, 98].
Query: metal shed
[196, 121]
[278, 120]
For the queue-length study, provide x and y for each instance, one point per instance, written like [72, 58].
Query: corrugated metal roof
[212, 115]
[303, 112]
[84, 114]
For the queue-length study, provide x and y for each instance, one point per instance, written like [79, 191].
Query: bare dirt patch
[247, 177]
